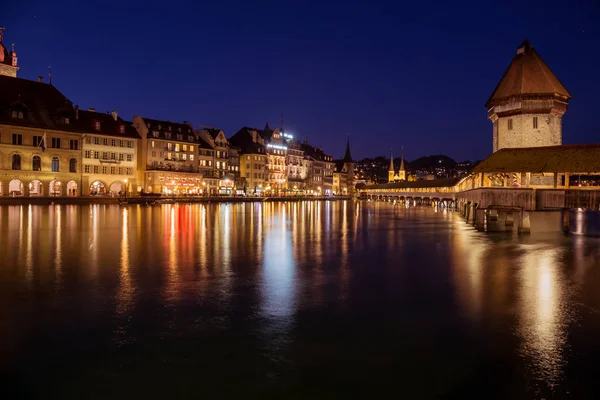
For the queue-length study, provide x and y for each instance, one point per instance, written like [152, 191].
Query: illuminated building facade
[109, 149]
[167, 157]
[40, 140]
[253, 160]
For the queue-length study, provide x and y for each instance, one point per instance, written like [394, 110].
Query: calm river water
[291, 300]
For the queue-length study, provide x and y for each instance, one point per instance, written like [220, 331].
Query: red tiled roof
[108, 125]
[527, 74]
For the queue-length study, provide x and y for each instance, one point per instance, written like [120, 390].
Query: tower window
[510, 124]
[535, 122]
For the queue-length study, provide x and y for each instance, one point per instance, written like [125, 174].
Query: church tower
[8, 60]
[402, 171]
[391, 169]
[527, 106]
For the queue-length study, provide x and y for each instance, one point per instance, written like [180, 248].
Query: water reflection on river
[301, 299]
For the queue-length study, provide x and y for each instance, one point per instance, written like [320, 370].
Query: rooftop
[527, 74]
[574, 158]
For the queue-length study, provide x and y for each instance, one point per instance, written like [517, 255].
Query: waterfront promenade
[46, 200]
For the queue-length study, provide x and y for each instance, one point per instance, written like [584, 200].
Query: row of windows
[510, 123]
[17, 140]
[256, 158]
[256, 166]
[168, 135]
[108, 155]
[169, 128]
[205, 163]
[109, 142]
[176, 156]
[220, 165]
[106, 170]
[36, 163]
[174, 147]
[256, 175]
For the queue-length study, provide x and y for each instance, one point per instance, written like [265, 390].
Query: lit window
[191, 148]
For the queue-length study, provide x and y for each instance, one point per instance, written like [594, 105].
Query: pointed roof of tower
[348, 156]
[391, 161]
[267, 127]
[527, 74]
[402, 163]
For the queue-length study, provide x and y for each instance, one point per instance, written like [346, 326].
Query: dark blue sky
[387, 73]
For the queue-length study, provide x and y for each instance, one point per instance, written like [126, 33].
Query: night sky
[389, 74]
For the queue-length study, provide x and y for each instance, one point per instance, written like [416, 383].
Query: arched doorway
[15, 188]
[55, 188]
[97, 188]
[36, 188]
[116, 188]
[71, 188]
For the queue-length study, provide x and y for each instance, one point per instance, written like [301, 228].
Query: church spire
[391, 170]
[402, 171]
[348, 156]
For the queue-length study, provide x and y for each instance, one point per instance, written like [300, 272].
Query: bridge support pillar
[525, 222]
[566, 214]
[509, 221]
[546, 221]
[480, 219]
[471, 214]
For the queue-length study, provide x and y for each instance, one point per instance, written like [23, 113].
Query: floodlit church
[392, 175]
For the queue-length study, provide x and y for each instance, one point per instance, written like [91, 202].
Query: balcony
[168, 167]
[106, 161]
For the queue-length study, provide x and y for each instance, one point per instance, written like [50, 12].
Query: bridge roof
[573, 158]
[445, 182]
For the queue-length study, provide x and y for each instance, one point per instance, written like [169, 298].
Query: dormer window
[122, 128]
[179, 137]
[168, 135]
[169, 129]
[155, 133]
[179, 129]
[65, 120]
[97, 125]
[190, 138]
[159, 127]
[17, 114]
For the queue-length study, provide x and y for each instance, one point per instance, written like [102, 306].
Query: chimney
[40, 79]
[115, 114]
[92, 109]
[76, 112]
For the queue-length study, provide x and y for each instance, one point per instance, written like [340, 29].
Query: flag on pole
[43, 142]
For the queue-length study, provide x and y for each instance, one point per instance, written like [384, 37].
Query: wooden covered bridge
[529, 188]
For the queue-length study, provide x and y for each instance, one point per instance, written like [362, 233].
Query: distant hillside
[432, 162]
